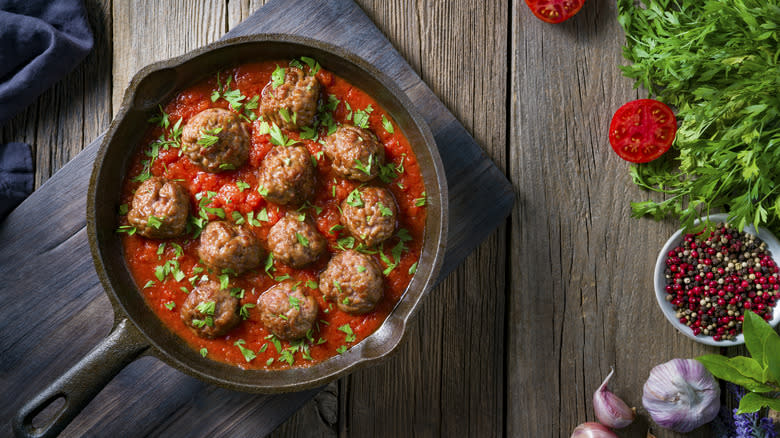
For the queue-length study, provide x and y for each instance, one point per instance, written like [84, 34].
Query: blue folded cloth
[16, 175]
[40, 42]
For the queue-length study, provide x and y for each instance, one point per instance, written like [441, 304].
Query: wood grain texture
[161, 401]
[67, 117]
[581, 297]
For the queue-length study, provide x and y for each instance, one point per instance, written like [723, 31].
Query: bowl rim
[773, 245]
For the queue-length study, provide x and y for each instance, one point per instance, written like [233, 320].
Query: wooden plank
[144, 34]
[160, 397]
[581, 295]
[452, 384]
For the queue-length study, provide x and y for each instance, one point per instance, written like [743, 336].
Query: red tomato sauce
[237, 191]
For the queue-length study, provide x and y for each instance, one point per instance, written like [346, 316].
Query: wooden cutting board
[55, 309]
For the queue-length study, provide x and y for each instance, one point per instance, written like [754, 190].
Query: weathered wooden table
[517, 339]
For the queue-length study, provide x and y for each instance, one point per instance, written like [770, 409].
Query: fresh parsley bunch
[717, 62]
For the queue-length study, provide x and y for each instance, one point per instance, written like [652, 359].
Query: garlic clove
[592, 430]
[610, 409]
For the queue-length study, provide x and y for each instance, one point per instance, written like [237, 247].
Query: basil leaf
[753, 402]
[721, 368]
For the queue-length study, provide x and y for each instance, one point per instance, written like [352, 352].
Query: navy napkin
[40, 42]
[16, 175]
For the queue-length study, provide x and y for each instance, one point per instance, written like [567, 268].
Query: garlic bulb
[592, 430]
[681, 395]
[610, 409]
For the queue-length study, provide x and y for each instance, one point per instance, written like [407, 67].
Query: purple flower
[743, 425]
[767, 426]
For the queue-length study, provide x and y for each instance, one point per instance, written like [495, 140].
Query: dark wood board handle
[79, 385]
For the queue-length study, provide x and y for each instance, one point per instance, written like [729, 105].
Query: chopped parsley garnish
[204, 351]
[269, 263]
[361, 269]
[284, 114]
[301, 217]
[263, 215]
[209, 137]
[283, 316]
[269, 361]
[263, 348]
[123, 209]
[224, 281]
[302, 240]
[155, 222]
[278, 138]
[244, 311]
[311, 284]
[177, 249]
[162, 120]
[282, 277]
[384, 210]
[419, 202]
[345, 243]
[348, 331]
[333, 102]
[262, 190]
[200, 323]
[386, 123]
[206, 307]
[277, 77]
[387, 173]
[287, 356]
[227, 166]
[413, 269]
[354, 198]
[337, 285]
[242, 186]
[130, 230]
[341, 349]
[149, 284]
[361, 117]
[314, 66]
[249, 355]
[170, 305]
[294, 302]
[308, 133]
[335, 228]
[250, 217]
[364, 168]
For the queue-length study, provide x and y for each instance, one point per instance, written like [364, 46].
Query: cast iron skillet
[137, 331]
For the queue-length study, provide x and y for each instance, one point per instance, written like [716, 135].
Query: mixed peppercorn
[714, 275]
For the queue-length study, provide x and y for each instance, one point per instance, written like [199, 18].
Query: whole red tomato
[554, 11]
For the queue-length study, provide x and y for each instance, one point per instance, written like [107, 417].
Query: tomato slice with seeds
[642, 130]
[554, 11]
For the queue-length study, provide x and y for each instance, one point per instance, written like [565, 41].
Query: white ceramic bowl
[660, 282]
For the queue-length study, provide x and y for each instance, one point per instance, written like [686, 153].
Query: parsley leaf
[387, 125]
[277, 77]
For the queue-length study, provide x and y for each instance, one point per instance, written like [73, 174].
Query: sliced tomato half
[642, 130]
[554, 11]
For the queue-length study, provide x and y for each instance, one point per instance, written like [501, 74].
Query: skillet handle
[79, 385]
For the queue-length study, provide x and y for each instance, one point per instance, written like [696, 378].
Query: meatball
[215, 139]
[353, 280]
[225, 246]
[370, 214]
[295, 243]
[355, 153]
[288, 175]
[211, 312]
[286, 311]
[159, 209]
[292, 104]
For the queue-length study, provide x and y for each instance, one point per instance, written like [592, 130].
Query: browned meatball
[295, 243]
[211, 312]
[288, 175]
[292, 104]
[215, 139]
[225, 246]
[370, 214]
[159, 209]
[286, 311]
[355, 153]
[353, 280]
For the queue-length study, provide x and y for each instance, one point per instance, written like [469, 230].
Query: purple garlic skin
[610, 409]
[592, 430]
[681, 395]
